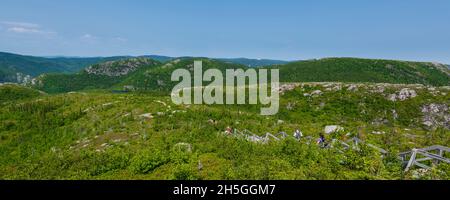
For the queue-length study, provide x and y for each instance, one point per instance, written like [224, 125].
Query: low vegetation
[139, 135]
[11, 92]
[115, 120]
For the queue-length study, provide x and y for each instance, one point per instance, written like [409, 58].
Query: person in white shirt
[298, 134]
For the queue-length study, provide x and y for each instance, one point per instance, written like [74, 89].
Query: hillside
[365, 70]
[22, 69]
[11, 92]
[16, 68]
[97, 135]
[119, 67]
[158, 76]
[138, 135]
[98, 76]
[139, 75]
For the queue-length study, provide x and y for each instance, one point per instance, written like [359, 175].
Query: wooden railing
[415, 157]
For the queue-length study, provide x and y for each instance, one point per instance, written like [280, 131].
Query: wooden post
[412, 160]
[441, 154]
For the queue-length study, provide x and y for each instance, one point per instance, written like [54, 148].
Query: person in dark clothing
[321, 140]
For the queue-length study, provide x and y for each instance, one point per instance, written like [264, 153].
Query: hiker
[298, 134]
[321, 140]
[228, 130]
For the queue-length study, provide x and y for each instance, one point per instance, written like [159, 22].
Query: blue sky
[283, 29]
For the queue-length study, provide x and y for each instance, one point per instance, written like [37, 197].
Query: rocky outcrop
[436, 115]
[23, 78]
[316, 93]
[119, 68]
[378, 89]
[288, 87]
[352, 88]
[332, 87]
[403, 95]
[332, 129]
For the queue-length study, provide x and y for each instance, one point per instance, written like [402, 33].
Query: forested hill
[365, 70]
[14, 67]
[136, 73]
[21, 68]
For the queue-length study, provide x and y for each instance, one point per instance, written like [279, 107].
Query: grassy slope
[56, 83]
[102, 136]
[16, 93]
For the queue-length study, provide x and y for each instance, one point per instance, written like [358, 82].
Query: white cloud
[20, 24]
[25, 28]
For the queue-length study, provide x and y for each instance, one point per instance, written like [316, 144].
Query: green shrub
[185, 172]
[146, 161]
[108, 161]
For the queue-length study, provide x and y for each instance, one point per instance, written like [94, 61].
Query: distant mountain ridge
[152, 72]
[14, 67]
[242, 61]
[150, 75]
[22, 68]
[253, 62]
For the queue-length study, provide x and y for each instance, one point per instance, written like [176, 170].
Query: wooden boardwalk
[416, 157]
